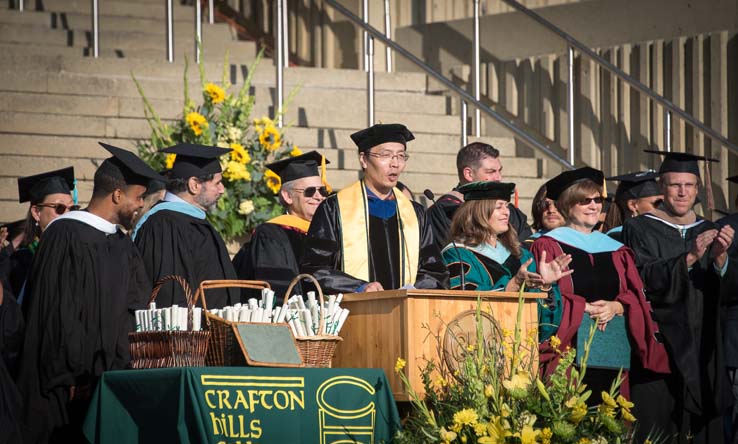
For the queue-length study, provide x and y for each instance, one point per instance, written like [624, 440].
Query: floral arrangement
[223, 119]
[496, 396]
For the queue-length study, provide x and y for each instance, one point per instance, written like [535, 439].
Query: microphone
[431, 197]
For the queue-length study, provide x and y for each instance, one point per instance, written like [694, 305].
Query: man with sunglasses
[369, 236]
[682, 259]
[175, 237]
[275, 249]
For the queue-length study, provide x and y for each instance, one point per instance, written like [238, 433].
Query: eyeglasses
[589, 200]
[310, 191]
[387, 156]
[59, 208]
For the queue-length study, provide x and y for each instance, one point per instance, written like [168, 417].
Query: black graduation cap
[560, 183]
[35, 188]
[733, 179]
[636, 185]
[382, 133]
[304, 165]
[680, 162]
[195, 160]
[486, 190]
[14, 228]
[126, 166]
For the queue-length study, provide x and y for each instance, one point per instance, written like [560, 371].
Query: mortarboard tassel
[604, 188]
[323, 175]
[516, 198]
[75, 194]
[708, 187]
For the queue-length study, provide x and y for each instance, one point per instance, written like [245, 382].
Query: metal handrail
[670, 107]
[465, 96]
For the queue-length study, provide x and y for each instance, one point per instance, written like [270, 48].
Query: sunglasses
[59, 208]
[310, 191]
[587, 201]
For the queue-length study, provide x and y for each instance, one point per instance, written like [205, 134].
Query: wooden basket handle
[185, 287]
[294, 282]
[225, 283]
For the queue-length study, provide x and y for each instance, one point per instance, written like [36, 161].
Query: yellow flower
[246, 207]
[295, 151]
[583, 441]
[215, 92]
[239, 154]
[546, 435]
[506, 333]
[273, 181]
[447, 436]
[578, 413]
[529, 435]
[517, 385]
[264, 121]
[466, 417]
[470, 348]
[270, 138]
[480, 428]
[489, 391]
[624, 403]
[197, 122]
[607, 399]
[440, 381]
[627, 415]
[555, 341]
[399, 365]
[496, 431]
[236, 171]
[169, 161]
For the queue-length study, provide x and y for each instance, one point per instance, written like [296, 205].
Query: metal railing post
[170, 32]
[365, 46]
[278, 57]
[370, 82]
[477, 80]
[198, 30]
[286, 35]
[667, 130]
[211, 12]
[95, 29]
[570, 101]
[464, 130]
[21, 6]
[388, 34]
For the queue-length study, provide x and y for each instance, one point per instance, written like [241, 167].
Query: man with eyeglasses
[476, 162]
[175, 237]
[369, 236]
[682, 259]
[274, 252]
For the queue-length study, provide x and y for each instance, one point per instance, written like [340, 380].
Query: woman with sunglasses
[637, 193]
[50, 196]
[603, 292]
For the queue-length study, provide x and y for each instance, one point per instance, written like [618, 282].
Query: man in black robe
[369, 236]
[11, 340]
[175, 238]
[683, 261]
[474, 163]
[86, 280]
[275, 249]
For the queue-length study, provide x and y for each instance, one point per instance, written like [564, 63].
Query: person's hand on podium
[373, 286]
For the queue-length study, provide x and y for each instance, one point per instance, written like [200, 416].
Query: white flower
[223, 144]
[234, 134]
[246, 207]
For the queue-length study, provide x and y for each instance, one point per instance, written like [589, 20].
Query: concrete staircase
[56, 102]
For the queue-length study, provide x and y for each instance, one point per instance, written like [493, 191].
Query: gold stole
[291, 221]
[353, 207]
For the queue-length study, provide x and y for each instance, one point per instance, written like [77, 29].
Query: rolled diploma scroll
[157, 320]
[339, 298]
[166, 322]
[311, 298]
[253, 303]
[308, 320]
[137, 316]
[283, 313]
[275, 313]
[290, 318]
[315, 317]
[331, 305]
[268, 304]
[341, 320]
[196, 318]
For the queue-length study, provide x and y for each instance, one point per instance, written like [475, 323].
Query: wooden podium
[385, 325]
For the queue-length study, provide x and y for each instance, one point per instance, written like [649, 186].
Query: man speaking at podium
[369, 236]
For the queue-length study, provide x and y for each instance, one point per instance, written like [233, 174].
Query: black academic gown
[14, 267]
[729, 297]
[686, 305]
[272, 255]
[323, 255]
[442, 212]
[173, 243]
[11, 340]
[80, 296]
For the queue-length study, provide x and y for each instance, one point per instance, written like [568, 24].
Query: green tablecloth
[229, 405]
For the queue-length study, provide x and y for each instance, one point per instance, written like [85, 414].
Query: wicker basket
[318, 350]
[160, 349]
[224, 350]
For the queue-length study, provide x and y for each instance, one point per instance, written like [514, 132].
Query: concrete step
[72, 20]
[120, 9]
[214, 37]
